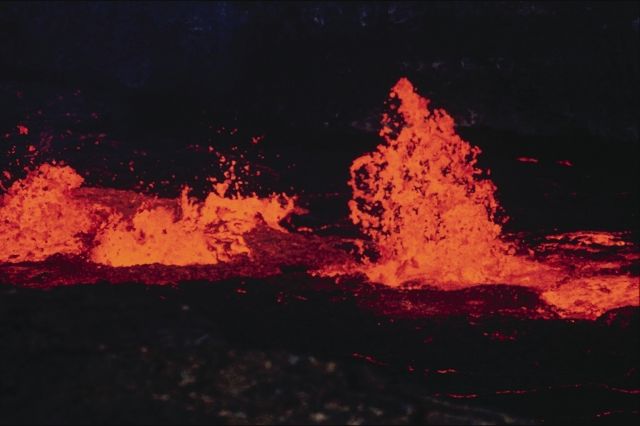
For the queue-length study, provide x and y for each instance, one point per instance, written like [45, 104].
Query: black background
[554, 81]
[150, 81]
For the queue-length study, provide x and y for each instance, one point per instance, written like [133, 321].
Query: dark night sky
[527, 66]
[552, 80]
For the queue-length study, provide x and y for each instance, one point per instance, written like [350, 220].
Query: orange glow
[432, 218]
[428, 213]
[41, 218]
[423, 201]
[527, 160]
[189, 233]
[49, 213]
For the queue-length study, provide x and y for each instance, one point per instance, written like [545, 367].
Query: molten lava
[41, 218]
[432, 217]
[429, 214]
[421, 198]
[49, 213]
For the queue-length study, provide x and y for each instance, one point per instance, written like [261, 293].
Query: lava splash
[429, 217]
[50, 213]
[432, 218]
[423, 201]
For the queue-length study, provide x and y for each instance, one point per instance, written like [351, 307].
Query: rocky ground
[293, 349]
[132, 94]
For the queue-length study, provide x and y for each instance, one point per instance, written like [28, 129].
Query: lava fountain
[423, 201]
[432, 217]
[428, 214]
[49, 213]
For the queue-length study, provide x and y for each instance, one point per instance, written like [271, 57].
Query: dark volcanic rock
[292, 349]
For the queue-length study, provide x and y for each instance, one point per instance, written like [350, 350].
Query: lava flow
[432, 217]
[49, 213]
[429, 214]
[420, 198]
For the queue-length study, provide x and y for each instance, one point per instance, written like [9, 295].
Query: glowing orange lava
[424, 202]
[432, 217]
[49, 213]
[41, 218]
[429, 214]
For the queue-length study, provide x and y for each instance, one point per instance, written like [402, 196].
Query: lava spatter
[431, 217]
[200, 233]
[49, 213]
[431, 212]
[40, 217]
